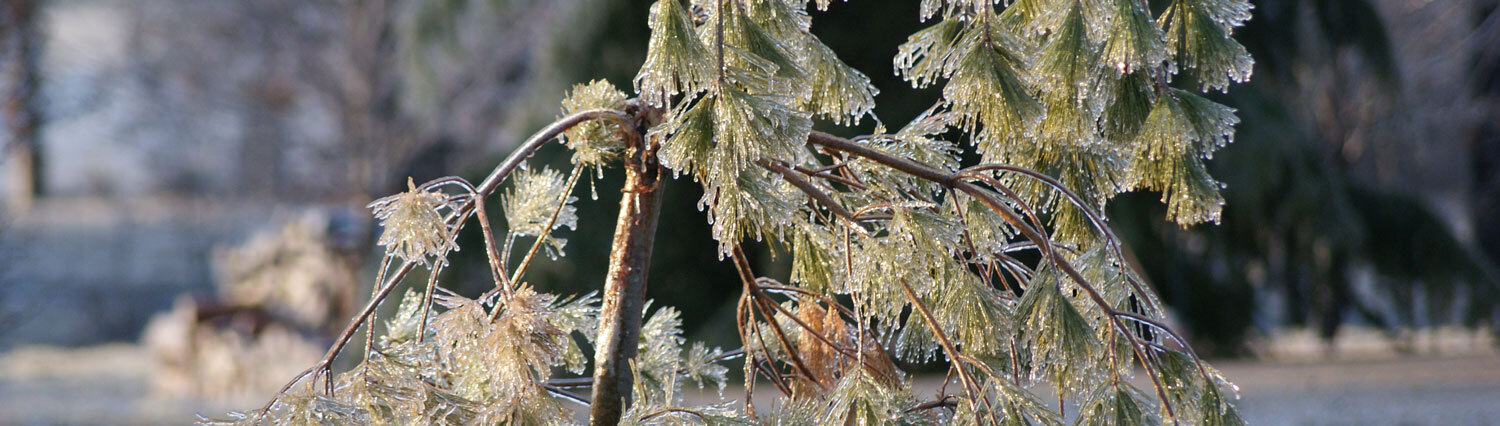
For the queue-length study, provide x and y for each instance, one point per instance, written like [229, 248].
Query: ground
[110, 384]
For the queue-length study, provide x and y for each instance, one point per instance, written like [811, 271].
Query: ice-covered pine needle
[413, 228]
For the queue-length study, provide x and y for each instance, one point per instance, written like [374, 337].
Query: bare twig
[808, 188]
[669, 411]
[743, 266]
[385, 263]
[566, 395]
[432, 279]
[497, 268]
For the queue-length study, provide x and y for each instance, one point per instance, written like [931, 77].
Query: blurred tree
[292, 90]
[1330, 214]
[20, 46]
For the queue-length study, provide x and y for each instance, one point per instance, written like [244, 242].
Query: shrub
[1001, 269]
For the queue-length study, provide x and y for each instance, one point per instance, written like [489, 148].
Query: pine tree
[1001, 270]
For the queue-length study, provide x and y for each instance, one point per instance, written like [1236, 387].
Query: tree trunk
[18, 107]
[625, 288]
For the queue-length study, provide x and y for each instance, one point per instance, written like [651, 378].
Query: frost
[839, 92]
[930, 54]
[403, 327]
[531, 203]
[988, 90]
[718, 139]
[1134, 42]
[970, 312]
[658, 358]
[783, 20]
[1183, 130]
[701, 365]
[675, 60]
[594, 143]
[1132, 97]
[862, 399]
[815, 259]
[1116, 404]
[1198, 31]
[1060, 341]
[919, 140]
[753, 48]
[414, 228]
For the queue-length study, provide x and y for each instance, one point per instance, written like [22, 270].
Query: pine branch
[955, 181]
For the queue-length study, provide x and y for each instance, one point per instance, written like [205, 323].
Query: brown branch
[670, 411]
[741, 309]
[808, 188]
[565, 394]
[1153, 324]
[1014, 198]
[817, 194]
[497, 268]
[432, 278]
[786, 343]
[571, 382]
[800, 290]
[945, 402]
[385, 264]
[765, 370]
[822, 172]
[910, 167]
[344, 337]
[742, 265]
[624, 295]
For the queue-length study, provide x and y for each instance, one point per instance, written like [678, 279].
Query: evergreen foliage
[1003, 270]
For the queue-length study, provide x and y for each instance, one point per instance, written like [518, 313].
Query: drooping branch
[385, 265]
[460, 214]
[833, 206]
[344, 337]
[742, 265]
[547, 134]
[1121, 251]
[955, 181]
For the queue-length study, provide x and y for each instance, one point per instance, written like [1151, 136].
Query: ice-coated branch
[956, 182]
[624, 296]
[541, 137]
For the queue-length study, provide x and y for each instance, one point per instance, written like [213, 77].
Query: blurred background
[182, 224]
